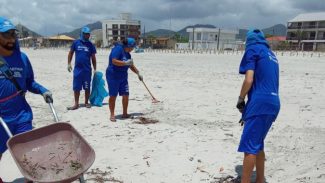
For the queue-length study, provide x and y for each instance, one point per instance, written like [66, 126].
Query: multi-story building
[307, 32]
[96, 37]
[120, 29]
[212, 38]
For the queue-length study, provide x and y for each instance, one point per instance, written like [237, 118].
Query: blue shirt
[263, 97]
[17, 110]
[114, 71]
[84, 50]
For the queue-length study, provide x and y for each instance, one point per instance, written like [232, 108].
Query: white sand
[197, 136]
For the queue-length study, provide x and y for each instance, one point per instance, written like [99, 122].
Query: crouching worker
[16, 77]
[261, 86]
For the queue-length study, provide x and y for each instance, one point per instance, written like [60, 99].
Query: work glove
[129, 62]
[140, 76]
[48, 97]
[240, 104]
[69, 67]
[241, 122]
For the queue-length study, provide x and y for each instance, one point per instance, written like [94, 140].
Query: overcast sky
[49, 17]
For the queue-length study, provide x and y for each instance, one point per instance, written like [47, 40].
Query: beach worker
[261, 86]
[117, 75]
[85, 51]
[16, 78]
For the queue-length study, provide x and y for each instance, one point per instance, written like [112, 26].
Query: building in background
[57, 41]
[96, 37]
[307, 32]
[53, 41]
[212, 38]
[119, 29]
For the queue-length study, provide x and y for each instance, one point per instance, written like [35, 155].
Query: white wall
[207, 38]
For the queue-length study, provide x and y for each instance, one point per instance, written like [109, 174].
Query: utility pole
[272, 46]
[218, 39]
[193, 39]
[144, 36]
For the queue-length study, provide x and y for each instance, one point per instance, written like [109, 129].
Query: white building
[119, 29]
[212, 38]
[307, 31]
[96, 37]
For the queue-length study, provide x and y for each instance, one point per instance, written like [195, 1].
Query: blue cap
[131, 43]
[85, 30]
[255, 36]
[5, 25]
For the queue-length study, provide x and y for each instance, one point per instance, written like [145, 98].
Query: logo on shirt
[83, 48]
[272, 58]
[16, 72]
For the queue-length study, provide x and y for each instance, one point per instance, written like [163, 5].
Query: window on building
[115, 26]
[216, 37]
[299, 25]
[123, 26]
[312, 24]
[323, 35]
[133, 27]
[115, 32]
[198, 36]
[122, 32]
[312, 35]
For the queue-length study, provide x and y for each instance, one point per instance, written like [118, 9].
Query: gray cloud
[309, 6]
[55, 16]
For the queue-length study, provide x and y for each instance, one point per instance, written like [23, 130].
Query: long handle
[149, 91]
[3, 123]
[53, 112]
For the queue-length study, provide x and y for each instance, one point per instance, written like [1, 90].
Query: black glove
[241, 122]
[48, 97]
[240, 104]
[140, 76]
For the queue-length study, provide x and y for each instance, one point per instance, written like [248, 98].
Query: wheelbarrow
[51, 154]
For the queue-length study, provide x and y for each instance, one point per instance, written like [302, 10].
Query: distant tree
[25, 34]
[150, 39]
[300, 36]
[283, 45]
[179, 38]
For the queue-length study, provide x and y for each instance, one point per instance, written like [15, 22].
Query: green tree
[179, 38]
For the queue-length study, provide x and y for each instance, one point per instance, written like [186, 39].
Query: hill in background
[25, 32]
[76, 33]
[276, 30]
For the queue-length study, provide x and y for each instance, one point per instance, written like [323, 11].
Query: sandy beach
[197, 133]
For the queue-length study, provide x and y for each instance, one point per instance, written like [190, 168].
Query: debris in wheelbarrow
[51, 154]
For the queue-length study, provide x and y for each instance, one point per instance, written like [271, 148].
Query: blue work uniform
[263, 104]
[82, 69]
[14, 108]
[117, 76]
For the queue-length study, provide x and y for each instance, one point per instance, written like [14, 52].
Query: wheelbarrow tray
[54, 153]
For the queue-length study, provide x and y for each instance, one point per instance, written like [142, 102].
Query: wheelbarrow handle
[5, 126]
[53, 112]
